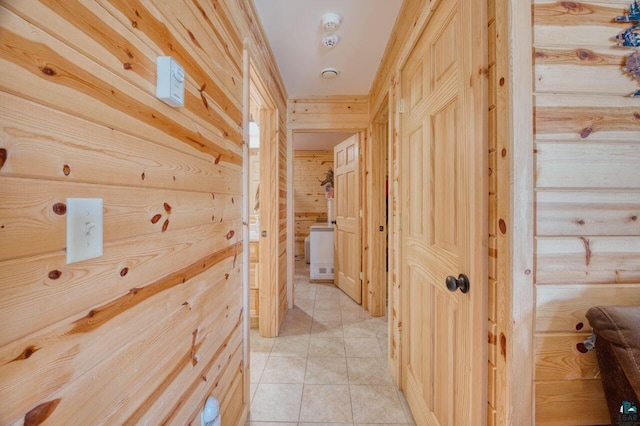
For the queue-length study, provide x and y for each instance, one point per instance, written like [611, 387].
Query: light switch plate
[84, 229]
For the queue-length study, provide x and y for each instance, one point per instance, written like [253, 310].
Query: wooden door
[346, 161]
[444, 222]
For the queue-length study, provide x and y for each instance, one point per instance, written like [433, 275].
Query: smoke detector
[330, 41]
[329, 73]
[330, 22]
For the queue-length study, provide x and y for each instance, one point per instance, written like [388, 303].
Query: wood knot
[636, 115]
[156, 218]
[91, 314]
[230, 234]
[134, 24]
[124, 271]
[55, 274]
[217, 160]
[128, 53]
[48, 71]
[127, 65]
[579, 326]
[503, 226]
[570, 5]
[582, 348]
[540, 54]
[167, 208]
[585, 55]
[59, 208]
[143, 176]
[226, 276]
[41, 413]
[3, 157]
[503, 346]
[503, 153]
[584, 133]
[66, 170]
[580, 222]
[26, 354]
[165, 225]
[501, 81]
[634, 218]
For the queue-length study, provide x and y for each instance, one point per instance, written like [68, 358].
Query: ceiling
[295, 32]
[318, 141]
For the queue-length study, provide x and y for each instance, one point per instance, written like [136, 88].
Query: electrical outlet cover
[84, 229]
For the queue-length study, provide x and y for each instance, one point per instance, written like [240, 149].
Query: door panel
[443, 160]
[347, 231]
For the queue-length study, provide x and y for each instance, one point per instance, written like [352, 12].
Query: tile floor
[328, 366]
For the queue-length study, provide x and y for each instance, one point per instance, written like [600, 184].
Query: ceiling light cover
[330, 41]
[329, 73]
[330, 22]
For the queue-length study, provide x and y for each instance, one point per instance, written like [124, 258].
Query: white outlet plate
[84, 229]
[170, 81]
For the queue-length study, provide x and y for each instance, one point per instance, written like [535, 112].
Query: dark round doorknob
[462, 283]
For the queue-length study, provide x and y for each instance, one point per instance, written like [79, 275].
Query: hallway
[328, 366]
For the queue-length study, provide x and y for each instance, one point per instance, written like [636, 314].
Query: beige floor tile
[327, 315]
[405, 407]
[326, 304]
[326, 371]
[358, 329]
[252, 390]
[258, 362]
[276, 403]
[295, 346]
[284, 370]
[352, 317]
[376, 404]
[326, 347]
[367, 371]
[271, 424]
[293, 329]
[260, 345]
[325, 424]
[362, 347]
[326, 403]
[383, 342]
[326, 329]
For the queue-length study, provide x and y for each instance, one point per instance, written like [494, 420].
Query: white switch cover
[170, 81]
[84, 229]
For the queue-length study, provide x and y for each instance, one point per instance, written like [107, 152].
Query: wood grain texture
[309, 168]
[586, 398]
[163, 307]
[328, 113]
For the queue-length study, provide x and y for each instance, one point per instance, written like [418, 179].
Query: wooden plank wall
[309, 199]
[587, 188]
[328, 113]
[146, 332]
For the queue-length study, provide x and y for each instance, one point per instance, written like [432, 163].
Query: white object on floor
[321, 247]
[210, 415]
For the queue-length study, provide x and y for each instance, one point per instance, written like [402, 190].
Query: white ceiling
[318, 141]
[294, 29]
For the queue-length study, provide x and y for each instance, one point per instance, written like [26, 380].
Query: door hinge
[361, 214]
[361, 276]
[401, 106]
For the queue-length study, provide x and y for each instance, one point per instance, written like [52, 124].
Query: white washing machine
[321, 246]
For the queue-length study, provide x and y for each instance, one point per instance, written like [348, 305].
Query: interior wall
[309, 197]
[162, 307]
[587, 198]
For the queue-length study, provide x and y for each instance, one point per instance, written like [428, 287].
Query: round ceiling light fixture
[330, 41]
[329, 73]
[331, 22]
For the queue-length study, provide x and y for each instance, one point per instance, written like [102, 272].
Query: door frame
[291, 201]
[258, 101]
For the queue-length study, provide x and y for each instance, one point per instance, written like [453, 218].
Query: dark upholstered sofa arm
[617, 331]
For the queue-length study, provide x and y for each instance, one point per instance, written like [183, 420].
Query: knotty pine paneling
[587, 246]
[146, 332]
[309, 169]
[328, 113]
